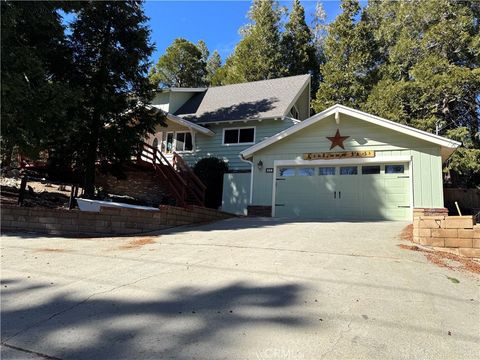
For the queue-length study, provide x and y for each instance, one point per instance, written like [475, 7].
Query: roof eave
[190, 125]
[299, 93]
[280, 117]
[436, 139]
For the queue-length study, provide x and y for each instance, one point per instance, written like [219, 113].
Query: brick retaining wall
[455, 234]
[259, 210]
[109, 221]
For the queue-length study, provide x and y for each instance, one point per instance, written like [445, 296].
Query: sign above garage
[339, 155]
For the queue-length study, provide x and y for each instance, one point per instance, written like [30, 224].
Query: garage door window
[286, 172]
[348, 170]
[326, 171]
[306, 171]
[370, 170]
[394, 169]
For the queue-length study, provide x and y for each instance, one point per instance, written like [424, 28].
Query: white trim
[259, 119]
[382, 160]
[189, 124]
[177, 89]
[239, 128]
[178, 120]
[166, 142]
[175, 142]
[449, 145]
[351, 161]
[250, 200]
[299, 93]
[294, 107]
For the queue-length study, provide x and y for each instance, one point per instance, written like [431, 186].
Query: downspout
[251, 177]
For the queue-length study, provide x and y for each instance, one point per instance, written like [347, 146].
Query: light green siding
[207, 146]
[162, 100]
[236, 193]
[303, 104]
[426, 160]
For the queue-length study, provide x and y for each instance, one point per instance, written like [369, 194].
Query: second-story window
[294, 112]
[239, 136]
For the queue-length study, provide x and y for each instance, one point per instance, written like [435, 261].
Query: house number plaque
[339, 155]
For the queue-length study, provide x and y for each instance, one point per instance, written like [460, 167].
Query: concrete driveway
[236, 289]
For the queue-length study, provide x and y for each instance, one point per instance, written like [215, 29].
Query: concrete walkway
[236, 289]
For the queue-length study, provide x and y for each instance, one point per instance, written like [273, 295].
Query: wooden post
[71, 202]
[21, 194]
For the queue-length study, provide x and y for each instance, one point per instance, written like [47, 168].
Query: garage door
[350, 192]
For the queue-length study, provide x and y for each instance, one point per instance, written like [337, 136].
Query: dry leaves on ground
[440, 258]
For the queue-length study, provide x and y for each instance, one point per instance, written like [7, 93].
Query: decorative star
[337, 140]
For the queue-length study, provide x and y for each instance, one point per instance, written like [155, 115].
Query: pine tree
[214, 63]
[110, 42]
[297, 43]
[430, 76]
[297, 46]
[258, 55]
[348, 73]
[182, 65]
[35, 89]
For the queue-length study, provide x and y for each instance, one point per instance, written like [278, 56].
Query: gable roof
[178, 120]
[253, 100]
[448, 146]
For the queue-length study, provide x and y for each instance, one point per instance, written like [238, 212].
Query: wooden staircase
[183, 185]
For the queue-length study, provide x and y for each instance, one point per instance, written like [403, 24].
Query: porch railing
[183, 184]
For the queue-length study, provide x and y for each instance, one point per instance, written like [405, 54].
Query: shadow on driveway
[100, 327]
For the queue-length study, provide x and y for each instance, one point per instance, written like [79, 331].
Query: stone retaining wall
[109, 221]
[455, 234]
[141, 184]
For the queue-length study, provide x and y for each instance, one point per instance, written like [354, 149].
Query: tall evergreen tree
[182, 65]
[214, 63]
[111, 46]
[258, 55]
[430, 75]
[35, 66]
[297, 43]
[348, 73]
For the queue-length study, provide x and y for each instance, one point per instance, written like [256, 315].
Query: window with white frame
[178, 141]
[294, 112]
[239, 136]
[183, 141]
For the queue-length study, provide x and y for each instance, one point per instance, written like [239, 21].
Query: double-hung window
[183, 141]
[239, 136]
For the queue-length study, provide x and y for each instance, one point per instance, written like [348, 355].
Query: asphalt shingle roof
[258, 99]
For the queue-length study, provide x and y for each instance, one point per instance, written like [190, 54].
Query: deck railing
[179, 177]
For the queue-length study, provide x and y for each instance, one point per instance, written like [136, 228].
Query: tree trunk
[90, 162]
[7, 157]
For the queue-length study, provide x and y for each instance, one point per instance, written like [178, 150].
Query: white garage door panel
[355, 197]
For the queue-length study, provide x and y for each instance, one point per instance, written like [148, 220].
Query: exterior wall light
[260, 165]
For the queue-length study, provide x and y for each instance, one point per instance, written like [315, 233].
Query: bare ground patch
[135, 244]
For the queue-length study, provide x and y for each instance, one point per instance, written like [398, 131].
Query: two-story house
[338, 164]
[225, 120]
